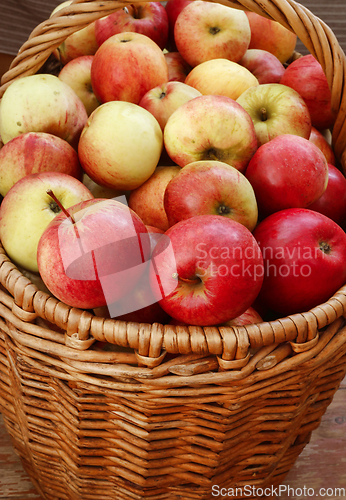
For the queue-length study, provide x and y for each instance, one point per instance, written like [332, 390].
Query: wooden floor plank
[322, 464]
[14, 482]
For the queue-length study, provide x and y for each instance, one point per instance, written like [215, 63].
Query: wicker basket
[232, 407]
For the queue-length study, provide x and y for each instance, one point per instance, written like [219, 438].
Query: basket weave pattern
[173, 410]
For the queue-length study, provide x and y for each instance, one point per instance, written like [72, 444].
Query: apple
[332, 203]
[80, 43]
[173, 9]
[270, 35]
[205, 31]
[147, 18]
[321, 142]
[154, 233]
[36, 280]
[249, 317]
[152, 313]
[211, 127]
[287, 172]
[77, 74]
[35, 152]
[140, 304]
[41, 103]
[221, 77]
[27, 209]
[101, 191]
[215, 270]
[306, 76]
[120, 145]
[93, 254]
[276, 110]
[164, 99]
[178, 69]
[304, 256]
[210, 187]
[265, 66]
[126, 66]
[147, 199]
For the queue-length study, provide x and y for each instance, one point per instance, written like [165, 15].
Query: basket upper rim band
[319, 40]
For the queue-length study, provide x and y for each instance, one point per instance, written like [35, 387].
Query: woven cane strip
[150, 340]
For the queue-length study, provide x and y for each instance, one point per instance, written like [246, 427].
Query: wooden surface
[321, 465]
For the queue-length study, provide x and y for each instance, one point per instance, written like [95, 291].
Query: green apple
[27, 209]
[276, 110]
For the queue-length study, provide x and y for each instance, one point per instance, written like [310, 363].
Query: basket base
[129, 440]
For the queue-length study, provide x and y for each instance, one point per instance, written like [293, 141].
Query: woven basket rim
[301, 327]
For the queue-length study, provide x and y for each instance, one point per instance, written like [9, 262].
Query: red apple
[332, 203]
[249, 317]
[150, 314]
[77, 74]
[147, 199]
[205, 30]
[275, 110]
[271, 36]
[214, 272]
[178, 69]
[265, 66]
[164, 99]
[173, 9]
[304, 256]
[210, 187]
[154, 233]
[140, 304]
[177, 323]
[321, 142]
[35, 152]
[287, 172]
[126, 66]
[306, 76]
[211, 127]
[96, 257]
[148, 18]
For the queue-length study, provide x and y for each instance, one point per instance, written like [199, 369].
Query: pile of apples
[177, 170]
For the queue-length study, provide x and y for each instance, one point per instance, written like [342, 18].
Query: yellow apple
[221, 77]
[120, 145]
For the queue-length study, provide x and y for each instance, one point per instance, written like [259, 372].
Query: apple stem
[214, 30]
[325, 247]
[264, 116]
[223, 210]
[62, 208]
[187, 280]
